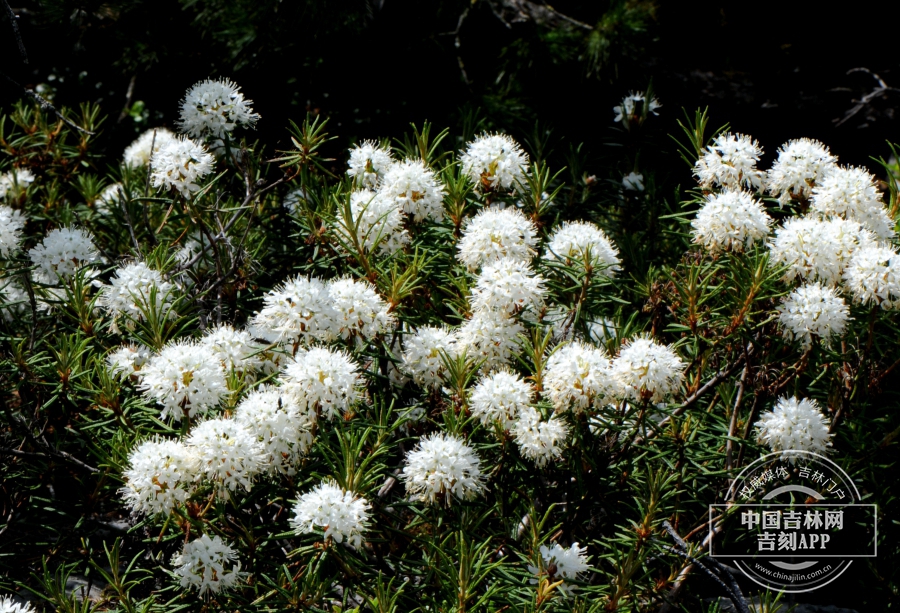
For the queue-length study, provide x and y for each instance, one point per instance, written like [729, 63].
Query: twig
[729, 445]
[128, 95]
[15, 28]
[882, 89]
[45, 104]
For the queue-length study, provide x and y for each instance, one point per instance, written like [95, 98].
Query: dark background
[773, 70]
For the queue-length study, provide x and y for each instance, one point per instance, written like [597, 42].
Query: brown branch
[45, 104]
[15, 28]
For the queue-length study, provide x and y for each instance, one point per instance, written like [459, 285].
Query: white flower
[494, 160]
[13, 300]
[561, 563]
[647, 370]
[358, 309]
[494, 234]
[813, 311]
[583, 241]
[214, 108]
[134, 290]
[850, 192]
[577, 377]
[816, 250]
[369, 163]
[8, 605]
[801, 165]
[128, 360]
[794, 425]
[185, 377]
[415, 189]
[422, 354]
[820, 247]
[62, 252]
[500, 396]
[229, 453]
[633, 181]
[235, 349]
[11, 224]
[491, 336]
[299, 311]
[207, 565]
[375, 219]
[109, 199]
[276, 420]
[160, 476]
[508, 286]
[730, 161]
[873, 276]
[139, 153]
[442, 466]
[14, 183]
[731, 220]
[179, 165]
[323, 380]
[538, 440]
[625, 112]
[341, 514]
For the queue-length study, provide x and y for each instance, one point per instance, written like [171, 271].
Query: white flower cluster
[494, 234]
[128, 360]
[508, 286]
[731, 220]
[494, 161]
[62, 252]
[302, 311]
[500, 397]
[323, 381]
[633, 182]
[139, 153]
[358, 310]
[442, 466]
[489, 336]
[815, 250]
[179, 164]
[280, 426]
[584, 242]
[794, 425]
[11, 224]
[214, 108]
[539, 440]
[646, 370]
[813, 311]
[230, 454]
[873, 276]
[235, 349]
[185, 378]
[14, 183]
[801, 165]
[375, 221]
[13, 299]
[577, 377]
[341, 514]
[369, 164]
[730, 161]
[422, 354]
[415, 189]
[161, 475]
[134, 290]
[850, 192]
[207, 565]
[561, 563]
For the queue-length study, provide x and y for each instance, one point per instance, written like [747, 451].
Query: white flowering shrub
[433, 370]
